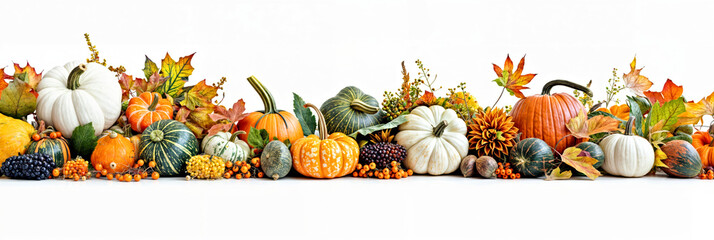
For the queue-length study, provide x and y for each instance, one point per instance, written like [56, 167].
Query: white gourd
[93, 95]
[227, 146]
[627, 155]
[435, 139]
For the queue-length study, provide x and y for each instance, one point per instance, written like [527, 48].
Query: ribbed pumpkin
[15, 136]
[278, 123]
[146, 109]
[531, 157]
[325, 157]
[682, 159]
[351, 110]
[170, 144]
[226, 146]
[703, 142]
[544, 116]
[114, 152]
[627, 155]
[56, 148]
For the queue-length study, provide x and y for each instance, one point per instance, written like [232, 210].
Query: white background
[315, 48]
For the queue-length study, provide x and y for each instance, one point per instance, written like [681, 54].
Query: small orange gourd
[325, 157]
[146, 109]
[114, 152]
[704, 144]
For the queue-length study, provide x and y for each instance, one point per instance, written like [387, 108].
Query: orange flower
[621, 111]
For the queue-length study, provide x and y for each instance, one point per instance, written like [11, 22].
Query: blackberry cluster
[35, 166]
[382, 154]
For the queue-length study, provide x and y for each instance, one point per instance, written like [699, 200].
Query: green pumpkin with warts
[350, 111]
[171, 144]
[531, 157]
[276, 160]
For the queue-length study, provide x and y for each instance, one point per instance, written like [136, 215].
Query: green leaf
[392, 124]
[177, 74]
[636, 114]
[287, 143]
[83, 140]
[256, 139]
[668, 113]
[17, 99]
[304, 116]
[601, 113]
[149, 67]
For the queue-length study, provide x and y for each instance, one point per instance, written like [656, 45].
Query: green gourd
[276, 160]
[170, 144]
[350, 111]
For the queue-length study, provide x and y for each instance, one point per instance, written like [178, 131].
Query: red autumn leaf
[581, 161]
[142, 85]
[127, 85]
[232, 115]
[669, 92]
[514, 82]
[427, 99]
[27, 74]
[636, 82]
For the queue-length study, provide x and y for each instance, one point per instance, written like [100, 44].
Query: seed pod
[467, 166]
[486, 166]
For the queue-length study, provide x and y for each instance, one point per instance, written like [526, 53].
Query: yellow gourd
[15, 136]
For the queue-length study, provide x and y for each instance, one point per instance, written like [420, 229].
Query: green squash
[350, 111]
[595, 152]
[171, 144]
[682, 159]
[276, 160]
[531, 157]
[56, 148]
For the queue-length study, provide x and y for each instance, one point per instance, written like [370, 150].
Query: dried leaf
[514, 82]
[127, 85]
[149, 67]
[578, 125]
[695, 111]
[556, 174]
[427, 99]
[17, 99]
[670, 92]
[621, 111]
[182, 115]
[177, 74]
[154, 81]
[581, 162]
[581, 128]
[28, 75]
[231, 116]
[659, 156]
[200, 95]
[636, 82]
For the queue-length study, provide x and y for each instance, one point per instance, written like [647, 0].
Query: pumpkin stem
[268, 101]
[235, 135]
[361, 106]
[321, 119]
[73, 79]
[275, 176]
[439, 129]
[548, 86]
[156, 135]
[628, 127]
[152, 106]
[113, 134]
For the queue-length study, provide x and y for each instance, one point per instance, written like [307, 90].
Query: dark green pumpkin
[682, 159]
[56, 148]
[531, 157]
[350, 111]
[595, 152]
[276, 160]
[171, 144]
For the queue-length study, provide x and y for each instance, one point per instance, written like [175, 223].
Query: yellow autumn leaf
[556, 174]
[581, 127]
[176, 74]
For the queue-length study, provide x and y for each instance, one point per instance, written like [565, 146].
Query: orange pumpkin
[278, 123]
[704, 143]
[325, 157]
[544, 116]
[114, 152]
[146, 109]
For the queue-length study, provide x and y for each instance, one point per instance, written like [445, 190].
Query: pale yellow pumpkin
[15, 136]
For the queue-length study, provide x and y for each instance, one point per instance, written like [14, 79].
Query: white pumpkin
[79, 93]
[435, 139]
[227, 146]
[627, 155]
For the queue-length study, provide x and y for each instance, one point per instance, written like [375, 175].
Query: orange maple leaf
[427, 99]
[636, 82]
[669, 92]
[695, 111]
[513, 81]
[621, 111]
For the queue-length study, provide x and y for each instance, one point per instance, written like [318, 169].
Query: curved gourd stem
[439, 129]
[267, 98]
[361, 106]
[235, 135]
[152, 106]
[548, 86]
[156, 136]
[321, 119]
[628, 128]
[73, 79]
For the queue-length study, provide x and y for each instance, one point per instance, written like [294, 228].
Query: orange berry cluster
[136, 173]
[395, 171]
[506, 172]
[37, 136]
[240, 169]
[76, 170]
[707, 173]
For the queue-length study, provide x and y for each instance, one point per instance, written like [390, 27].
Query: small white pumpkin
[435, 139]
[79, 93]
[226, 145]
[627, 155]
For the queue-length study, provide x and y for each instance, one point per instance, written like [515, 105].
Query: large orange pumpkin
[325, 157]
[114, 152]
[544, 116]
[146, 109]
[278, 123]
[704, 143]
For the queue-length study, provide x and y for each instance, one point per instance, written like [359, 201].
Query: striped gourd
[56, 148]
[682, 159]
[531, 157]
[351, 110]
[169, 143]
[226, 145]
